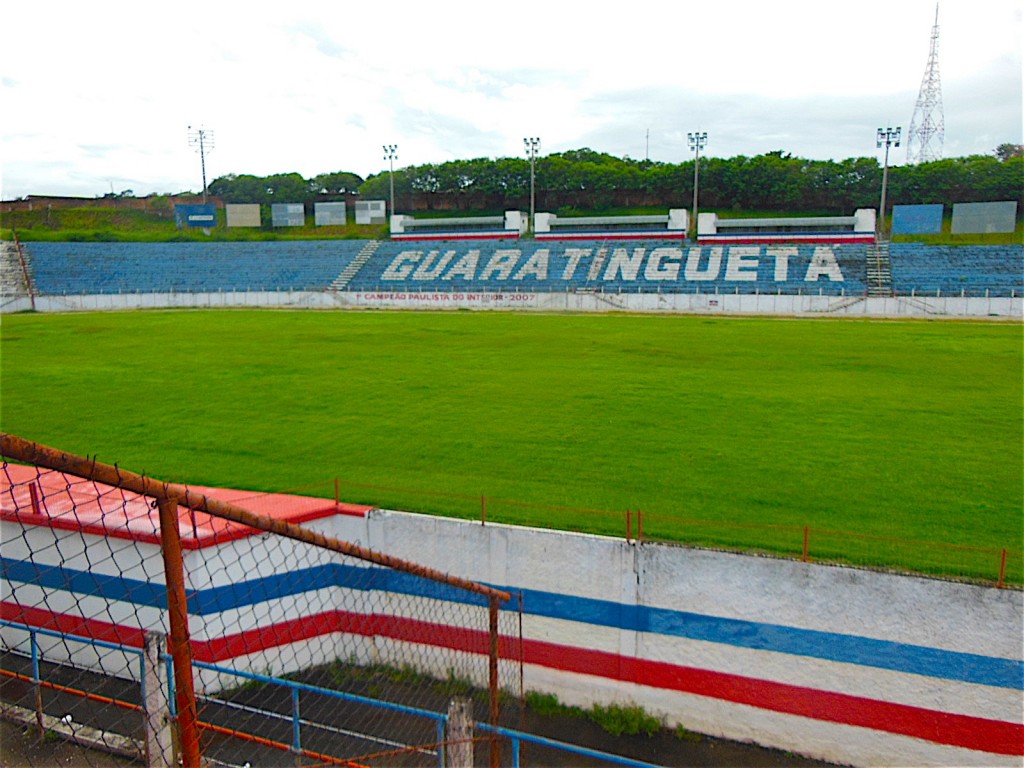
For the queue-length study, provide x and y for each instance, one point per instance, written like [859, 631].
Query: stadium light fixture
[697, 142]
[391, 154]
[532, 145]
[887, 137]
[202, 140]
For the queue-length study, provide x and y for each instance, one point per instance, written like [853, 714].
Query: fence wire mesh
[299, 653]
[1001, 565]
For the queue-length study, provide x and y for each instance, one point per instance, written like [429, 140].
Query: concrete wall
[846, 665]
[842, 664]
[679, 303]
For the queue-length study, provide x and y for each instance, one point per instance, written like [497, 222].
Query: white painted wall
[922, 613]
[664, 303]
[582, 596]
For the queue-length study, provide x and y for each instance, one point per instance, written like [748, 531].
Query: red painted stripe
[95, 629]
[502, 235]
[369, 625]
[653, 235]
[769, 240]
[966, 731]
[207, 538]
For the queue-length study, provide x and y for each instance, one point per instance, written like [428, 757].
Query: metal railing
[295, 719]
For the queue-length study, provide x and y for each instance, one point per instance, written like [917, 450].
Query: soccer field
[907, 430]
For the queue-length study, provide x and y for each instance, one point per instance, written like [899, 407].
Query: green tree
[337, 183]
[245, 188]
[1007, 151]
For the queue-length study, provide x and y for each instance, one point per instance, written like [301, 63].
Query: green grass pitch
[724, 431]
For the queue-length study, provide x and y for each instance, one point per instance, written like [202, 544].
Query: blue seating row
[610, 266]
[518, 265]
[102, 268]
[993, 270]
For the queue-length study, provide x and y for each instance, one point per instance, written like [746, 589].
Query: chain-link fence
[1001, 566]
[162, 624]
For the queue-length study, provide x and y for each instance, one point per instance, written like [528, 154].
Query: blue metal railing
[516, 738]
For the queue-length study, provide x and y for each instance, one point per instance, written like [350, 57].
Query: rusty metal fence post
[180, 646]
[417, 631]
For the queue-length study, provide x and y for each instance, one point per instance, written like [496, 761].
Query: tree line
[586, 179]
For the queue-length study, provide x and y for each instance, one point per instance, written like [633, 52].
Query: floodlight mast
[202, 140]
[532, 145]
[391, 154]
[697, 142]
[887, 137]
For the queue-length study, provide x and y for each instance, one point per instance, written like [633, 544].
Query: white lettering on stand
[823, 263]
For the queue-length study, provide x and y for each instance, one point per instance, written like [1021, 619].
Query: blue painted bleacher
[103, 268]
[612, 267]
[518, 266]
[944, 270]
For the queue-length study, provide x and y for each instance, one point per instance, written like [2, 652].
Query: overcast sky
[99, 96]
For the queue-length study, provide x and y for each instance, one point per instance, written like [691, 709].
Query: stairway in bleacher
[12, 276]
[341, 281]
[879, 269]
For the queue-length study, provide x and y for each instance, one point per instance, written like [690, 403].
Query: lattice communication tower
[927, 127]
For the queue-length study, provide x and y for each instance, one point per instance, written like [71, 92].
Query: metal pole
[390, 153]
[532, 144]
[696, 141]
[885, 182]
[19, 448]
[887, 137]
[181, 651]
[200, 137]
[202, 161]
[696, 180]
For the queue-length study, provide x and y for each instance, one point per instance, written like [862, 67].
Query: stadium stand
[612, 267]
[982, 270]
[102, 268]
[519, 266]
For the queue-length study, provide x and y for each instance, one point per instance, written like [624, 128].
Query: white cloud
[100, 95]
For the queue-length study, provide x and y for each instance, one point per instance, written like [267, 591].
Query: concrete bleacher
[12, 277]
[943, 270]
[655, 266]
[517, 266]
[102, 268]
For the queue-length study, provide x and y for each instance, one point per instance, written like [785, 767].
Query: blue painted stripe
[829, 646]
[147, 593]
[238, 594]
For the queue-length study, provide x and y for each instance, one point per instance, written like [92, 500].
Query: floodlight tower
[532, 145]
[202, 140]
[391, 154]
[927, 126]
[697, 142]
[886, 137]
